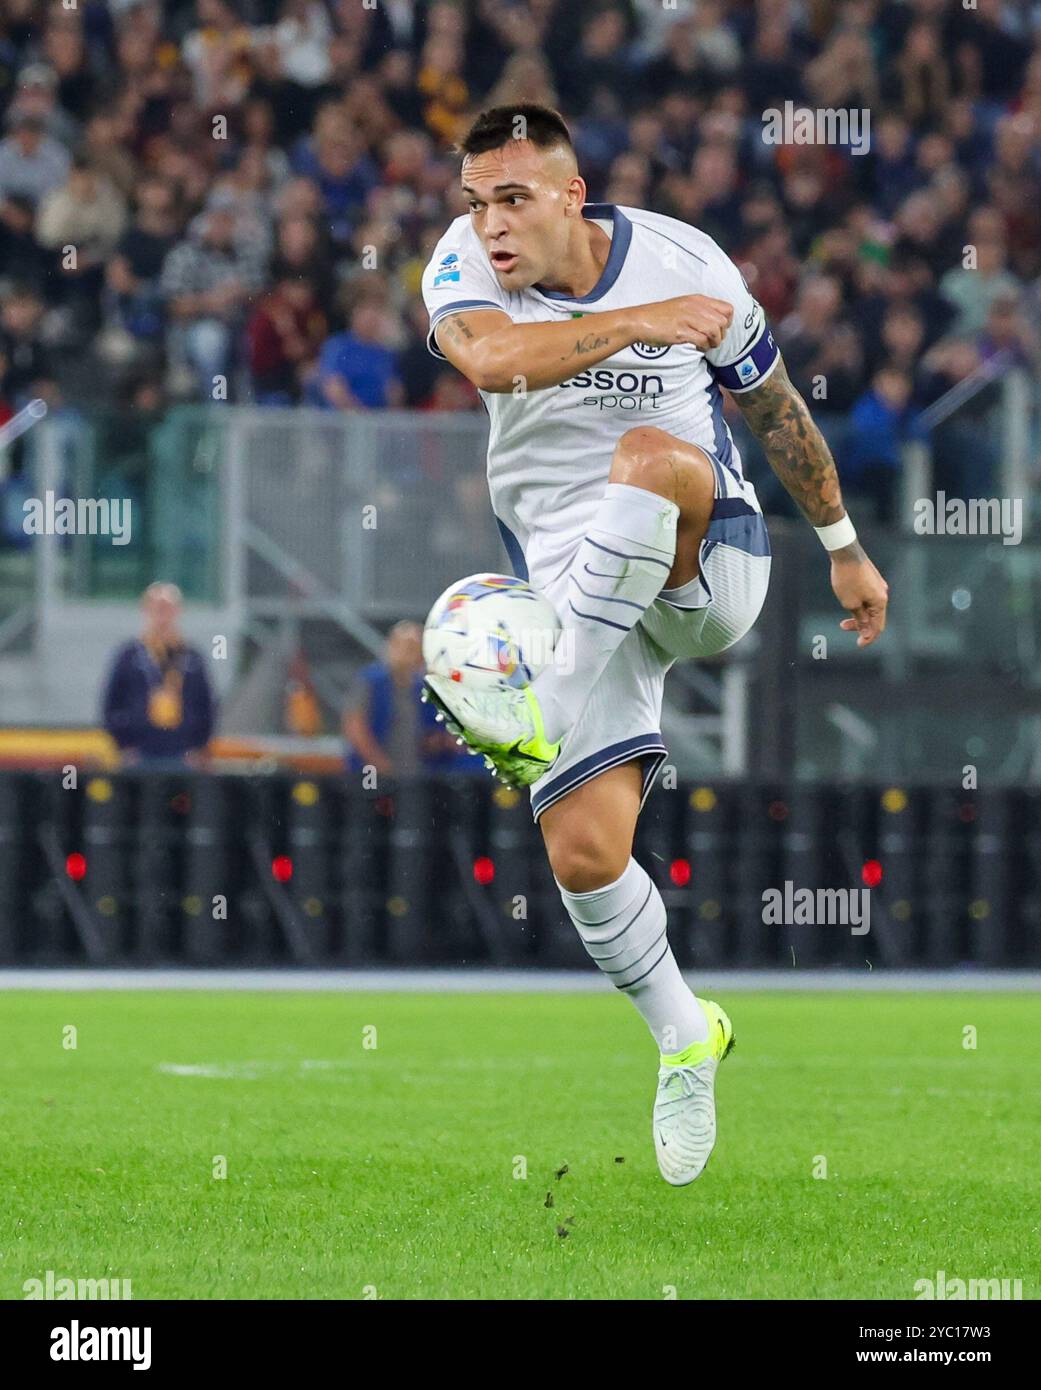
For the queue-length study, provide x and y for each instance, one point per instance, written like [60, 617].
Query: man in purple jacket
[158, 705]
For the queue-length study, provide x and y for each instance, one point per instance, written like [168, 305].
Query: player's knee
[581, 863]
[641, 454]
[653, 459]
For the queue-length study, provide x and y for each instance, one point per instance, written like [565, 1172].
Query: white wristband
[837, 535]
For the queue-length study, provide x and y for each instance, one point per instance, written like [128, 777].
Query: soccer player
[599, 338]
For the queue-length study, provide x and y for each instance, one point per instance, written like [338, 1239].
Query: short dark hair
[496, 127]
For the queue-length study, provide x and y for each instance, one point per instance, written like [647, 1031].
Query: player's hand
[860, 588]
[690, 318]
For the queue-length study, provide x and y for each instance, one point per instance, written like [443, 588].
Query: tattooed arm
[502, 356]
[796, 451]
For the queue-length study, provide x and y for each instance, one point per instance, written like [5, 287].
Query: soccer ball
[489, 631]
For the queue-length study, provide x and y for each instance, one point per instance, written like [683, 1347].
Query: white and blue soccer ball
[490, 631]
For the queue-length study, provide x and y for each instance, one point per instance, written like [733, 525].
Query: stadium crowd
[248, 190]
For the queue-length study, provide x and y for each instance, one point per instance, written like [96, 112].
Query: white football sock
[621, 566]
[622, 926]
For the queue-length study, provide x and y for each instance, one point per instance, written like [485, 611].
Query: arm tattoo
[794, 446]
[590, 343]
[457, 327]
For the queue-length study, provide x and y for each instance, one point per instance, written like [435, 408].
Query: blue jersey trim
[627, 555]
[623, 235]
[603, 598]
[456, 308]
[514, 553]
[747, 533]
[721, 430]
[592, 618]
[648, 746]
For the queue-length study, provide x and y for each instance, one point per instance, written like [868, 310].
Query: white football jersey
[549, 451]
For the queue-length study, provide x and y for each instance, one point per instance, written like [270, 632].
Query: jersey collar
[622, 236]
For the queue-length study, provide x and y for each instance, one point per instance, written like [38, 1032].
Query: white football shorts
[622, 718]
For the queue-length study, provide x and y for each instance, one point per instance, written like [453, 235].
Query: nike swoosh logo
[661, 1140]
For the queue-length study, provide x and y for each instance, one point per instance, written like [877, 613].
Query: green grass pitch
[395, 1170]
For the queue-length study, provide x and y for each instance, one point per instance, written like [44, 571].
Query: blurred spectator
[921, 80]
[990, 53]
[901, 342]
[770, 74]
[1009, 336]
[259, 136]
[29, 368]
[972, 290]
[105, 143]
[335, 160]
[32, 163]
[419, 368]
[301, 251]
[803, 332]
[880, 424]
[600, 59]
[157, 702]
[133, 271]
[22, 258]
[206, 282]
[75, 76]
[386, 724]
[357, 369]
[834, 375]
[526, 77]
[285, 333]
[86, 212]
[81, 223]
[891, 163]
[441, 83]
[216, 54]
[302, 34]
[771, 270]
[36, 98]
[965, 445]
[918, 225]
[397, 75]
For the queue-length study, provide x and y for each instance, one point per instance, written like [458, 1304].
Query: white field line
[332, 1068]
[485, 981]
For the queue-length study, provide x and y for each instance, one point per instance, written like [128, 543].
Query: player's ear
[576, 197]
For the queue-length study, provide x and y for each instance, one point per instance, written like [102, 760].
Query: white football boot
[505, 724]
[685, 1106]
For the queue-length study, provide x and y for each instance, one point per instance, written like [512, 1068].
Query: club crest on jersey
[447, 270]
[649, 350]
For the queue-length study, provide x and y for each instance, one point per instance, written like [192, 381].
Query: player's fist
[690, 318]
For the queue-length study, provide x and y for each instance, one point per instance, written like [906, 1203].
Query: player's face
[522, 200]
